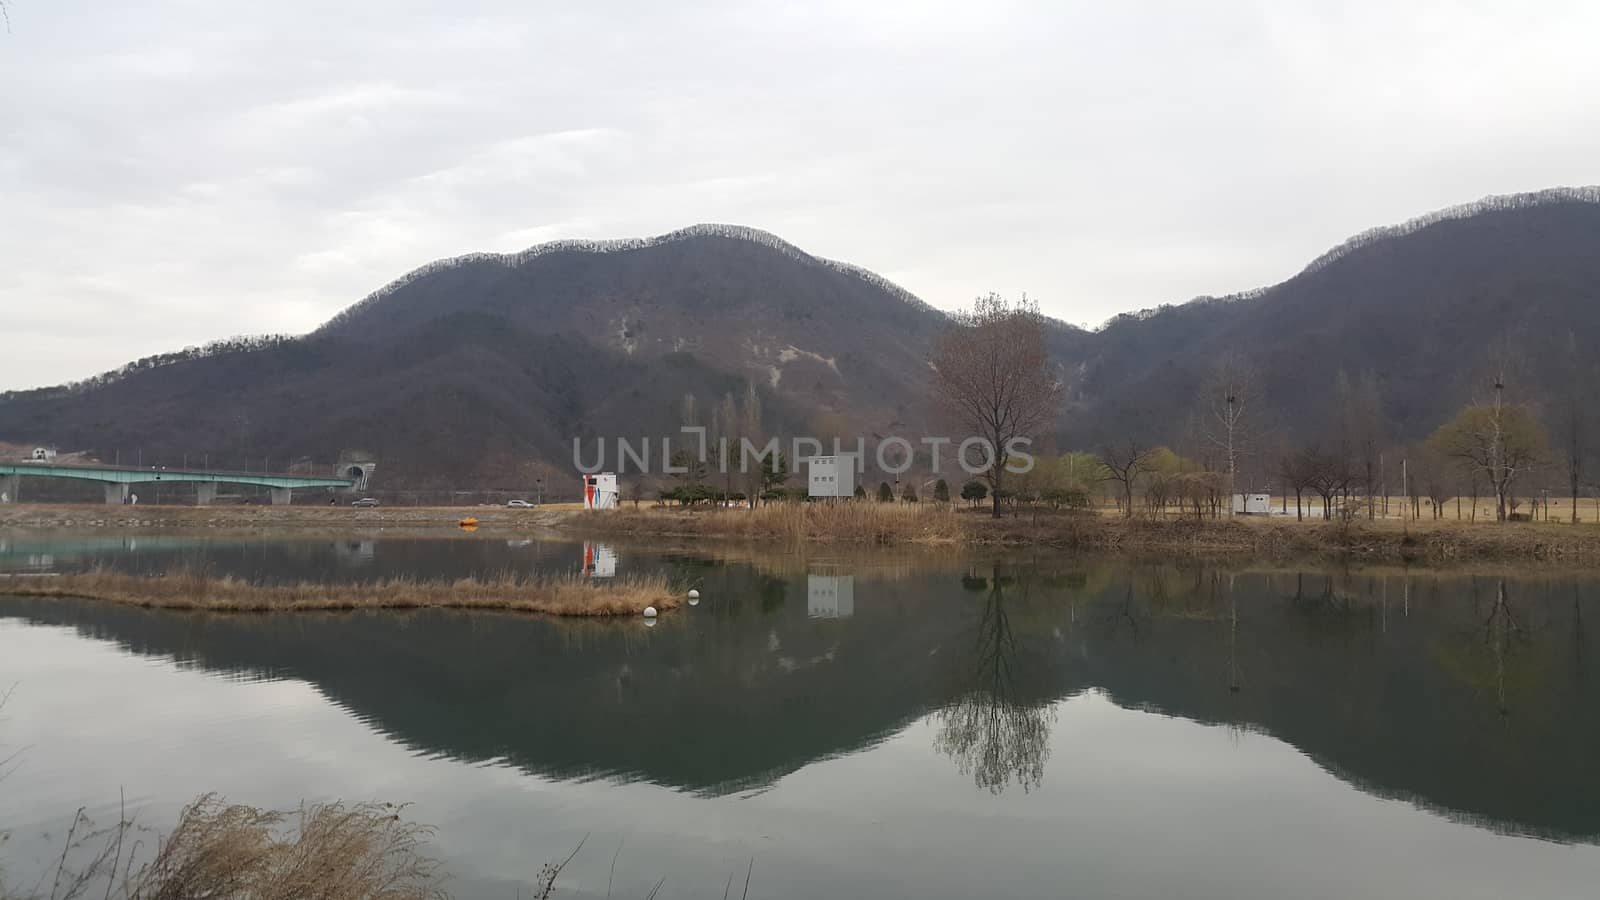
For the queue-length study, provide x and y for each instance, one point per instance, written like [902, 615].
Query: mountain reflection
[1468, 695]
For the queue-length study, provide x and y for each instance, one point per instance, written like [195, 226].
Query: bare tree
[1361, 432]
[1124, 464]
[1575, 417]
[1228, 397]
[1291, 469]
[1496, 439]
[725, 421]
[992, 376]
[1326, 473]
[750, 430]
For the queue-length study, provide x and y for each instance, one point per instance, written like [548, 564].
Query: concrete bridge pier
[116, 494]
[9, 485]
[280, 496]
[205, 493]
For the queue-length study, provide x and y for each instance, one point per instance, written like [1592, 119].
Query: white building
[1252, 504]
[831, 476]
[830, 596]
[600, 491]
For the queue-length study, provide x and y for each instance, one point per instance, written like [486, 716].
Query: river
[855, 723]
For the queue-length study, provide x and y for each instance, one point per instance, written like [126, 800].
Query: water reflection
[1468, 695]
[993, 731]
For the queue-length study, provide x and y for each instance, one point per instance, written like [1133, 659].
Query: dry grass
[221, 851]
[564, 596]
[855, 522]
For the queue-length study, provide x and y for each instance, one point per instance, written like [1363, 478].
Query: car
[519, 504]
[366, 502]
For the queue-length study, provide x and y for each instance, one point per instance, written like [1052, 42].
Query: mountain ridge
[509, 355]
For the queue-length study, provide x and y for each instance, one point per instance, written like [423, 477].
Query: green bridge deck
[118, 479]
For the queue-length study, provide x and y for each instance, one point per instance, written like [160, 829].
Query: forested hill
[474, 368]
[1426, 308]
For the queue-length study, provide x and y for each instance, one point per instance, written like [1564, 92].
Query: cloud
[173, 171]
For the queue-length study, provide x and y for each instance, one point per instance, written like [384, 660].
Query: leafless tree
[1291, 469]
[750, 430]
[1574, 417]
[992, 376]
[725, 422]
[1498, 440]
[1124, 463]
[1326, 473]
[1361, 432]
[1228, 397]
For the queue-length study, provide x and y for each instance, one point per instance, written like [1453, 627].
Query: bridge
[118, 480]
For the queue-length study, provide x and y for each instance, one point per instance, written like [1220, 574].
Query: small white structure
[830, 596]
[1252, 504]
[831, 476]
[600, 491]
[42, 455]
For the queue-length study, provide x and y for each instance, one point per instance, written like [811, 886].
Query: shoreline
[1440, 541]
[875, 525]
[565, 596]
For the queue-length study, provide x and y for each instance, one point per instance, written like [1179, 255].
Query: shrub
[974, 491]
[941, 491]
[885, 493]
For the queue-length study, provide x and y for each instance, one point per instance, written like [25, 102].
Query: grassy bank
[566, 596]
[937, 524]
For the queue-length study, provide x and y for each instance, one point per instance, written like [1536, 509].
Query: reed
[196, 590]
[222, 851]
[868, 523]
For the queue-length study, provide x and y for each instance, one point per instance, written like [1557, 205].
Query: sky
[177, 171]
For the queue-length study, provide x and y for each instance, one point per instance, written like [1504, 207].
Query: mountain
[1427, 306]
[471, 368]
[469, 371]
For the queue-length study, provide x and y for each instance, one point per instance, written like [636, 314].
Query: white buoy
[694, 595]
[649, 612]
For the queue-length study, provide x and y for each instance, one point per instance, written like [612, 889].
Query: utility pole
[1405, 486]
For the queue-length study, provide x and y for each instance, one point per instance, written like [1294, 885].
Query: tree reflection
[991, 731]
[1492, 656]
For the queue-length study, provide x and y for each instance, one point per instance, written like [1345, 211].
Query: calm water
[860, 726]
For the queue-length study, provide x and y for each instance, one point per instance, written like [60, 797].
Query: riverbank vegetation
[222, 851]
[192, 590]
[866, 523]
[856, 522]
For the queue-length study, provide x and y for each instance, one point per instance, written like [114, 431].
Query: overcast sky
[174, 171]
